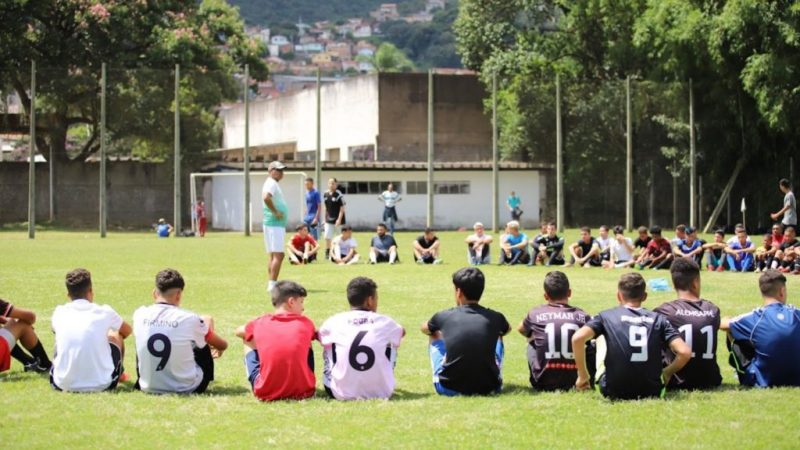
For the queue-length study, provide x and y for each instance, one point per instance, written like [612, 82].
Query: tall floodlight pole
[246, 152]
[629, 157]
[318, 157]
[692, 161]
[177, 181]
[495, 159]
[429, 221]
[559, 160]
[103, 201]
[32, 159]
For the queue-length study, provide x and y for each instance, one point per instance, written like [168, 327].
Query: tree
[389, 58]
[141, 42]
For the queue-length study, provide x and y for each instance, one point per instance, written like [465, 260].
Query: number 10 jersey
[360, 351]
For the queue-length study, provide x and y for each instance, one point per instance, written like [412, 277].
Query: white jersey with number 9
[360, 351]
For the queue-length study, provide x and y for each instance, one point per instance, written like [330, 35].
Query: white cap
[276, 165]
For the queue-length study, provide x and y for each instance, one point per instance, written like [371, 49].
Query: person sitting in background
[302, 248]
[740, 252]
[514, 245]
[383, 247]
[585, 252]
[691, 247]
[426, 248]
[764, 254]
[478, 246]
[163, 229]
[551, 247]
[716, 252]
[344, 247]
[680, 235]
[786, 257]
[777, 235]
[16, 324]
[640, 244]
[536, 241]
[604, 243]
[658, 254]
[621, 251]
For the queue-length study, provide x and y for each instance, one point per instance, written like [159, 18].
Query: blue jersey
[774, 333]
[514, 201]
[163, 230]
[515, 240]
[688, 248]
[312, 204]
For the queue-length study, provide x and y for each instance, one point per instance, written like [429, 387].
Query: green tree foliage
[427, 44]
[389, 58]
[141, 42]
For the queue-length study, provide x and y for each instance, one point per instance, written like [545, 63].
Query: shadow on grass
[513, 389]
[16, 376]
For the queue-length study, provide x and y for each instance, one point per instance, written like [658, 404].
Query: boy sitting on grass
[89, 340]
[302, 248]
[466, 342]
[658, 253]
[344, 247]
[279, 359]
[716, 252]
[175, 348]
[16, 324]
[635, 338]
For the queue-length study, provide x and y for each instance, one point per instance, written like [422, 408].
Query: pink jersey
[360, 351]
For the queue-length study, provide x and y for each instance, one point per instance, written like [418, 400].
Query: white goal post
[223, 194]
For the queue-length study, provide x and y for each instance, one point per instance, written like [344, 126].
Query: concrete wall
[451, 211]
[349, 118]
[138, 193]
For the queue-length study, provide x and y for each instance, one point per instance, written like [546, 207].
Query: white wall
[349, 118]
[451, 211]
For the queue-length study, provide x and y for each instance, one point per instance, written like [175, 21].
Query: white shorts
[331, 230]
[10, 339]
[273, 239]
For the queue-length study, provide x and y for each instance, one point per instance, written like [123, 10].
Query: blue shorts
[253, 366]
[438, 352]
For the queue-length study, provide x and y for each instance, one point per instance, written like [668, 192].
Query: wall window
[417, 187]
[451, 187]
[368, 187]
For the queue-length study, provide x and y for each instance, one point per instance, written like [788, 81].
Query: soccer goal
[223, 194]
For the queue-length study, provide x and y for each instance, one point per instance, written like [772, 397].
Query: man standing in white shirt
[89, 340]
[175, 348]
[390, 197]
[276, 213]
[360, 347]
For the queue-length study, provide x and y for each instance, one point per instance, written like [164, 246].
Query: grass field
[225, 276]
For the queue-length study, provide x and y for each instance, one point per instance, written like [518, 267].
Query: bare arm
[216, 342]
[125, 330]
[24, 315]
[682, 356]
[240, 332]
[425, 329]
[579, 340]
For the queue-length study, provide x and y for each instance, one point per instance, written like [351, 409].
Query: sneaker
[124, 377]
[420, 261]
[721, 269]
[710, 268]
[437, 261]
[37, 366]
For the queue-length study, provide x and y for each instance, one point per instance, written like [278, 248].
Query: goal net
[223, 194]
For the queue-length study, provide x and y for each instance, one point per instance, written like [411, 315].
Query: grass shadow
[17, 376]
[401, 395]
[518, 389]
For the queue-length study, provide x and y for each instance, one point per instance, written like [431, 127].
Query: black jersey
[334, 201]
[586, 247]
[635, 339]
[554, 244]
[550, 358]
[642, 243]
[698, 322]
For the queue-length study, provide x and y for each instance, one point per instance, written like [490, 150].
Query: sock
[38, 352]
[392, 257]
[373, 259]
[271, 285]
[19, 354]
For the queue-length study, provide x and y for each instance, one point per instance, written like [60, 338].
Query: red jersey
[777, 240]
[283, 343]
[658, 247]
[299, 243]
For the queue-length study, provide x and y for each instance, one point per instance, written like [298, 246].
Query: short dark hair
[300, 226]
[642, 229]
[680, 227]
[604, 227]
[381, 225]
[740, 229]
[784, 183]
[770, 282]
[347, 228]
[79, 282]
[556, 285]
[471, 282]
[655, 229]
[169, 279]
[586, 229]
[429, 230]
[632, 286]
[720, 232]
[360, 289]
[310, 179]
[619, 229]
[284, 289]
[684, 271]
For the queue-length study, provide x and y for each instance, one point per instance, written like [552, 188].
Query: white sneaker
[437, 261]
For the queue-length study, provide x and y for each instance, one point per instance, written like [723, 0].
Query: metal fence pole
[430, 149]
[103, 199]
[495, 159]
[177, 181]
[32, 159]
[318, 156]
[559, 160]
[629, 157]
[246, 153]
[692, 161]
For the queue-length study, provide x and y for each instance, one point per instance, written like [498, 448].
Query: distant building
[431, 5]
[387, 11]
[341, 50]
[321, 58]
[362, 31]
[366, 52]
[365, 67]
[420, 17]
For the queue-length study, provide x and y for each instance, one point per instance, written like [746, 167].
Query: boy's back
[283, 343]
[635, 338]
[698, 321]
[83, 360]
[470, 334]
[774, 333]
[166, 339]
[359, 354]
[550, 356]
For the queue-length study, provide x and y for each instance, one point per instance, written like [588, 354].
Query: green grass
[226, 277]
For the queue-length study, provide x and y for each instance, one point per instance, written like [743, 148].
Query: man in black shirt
[334, 213]
[551, 247]
[585, 252]
[466, 342]
[698, 320]
[549, 329]
[635, 338]
[786, 257]
[426, 248]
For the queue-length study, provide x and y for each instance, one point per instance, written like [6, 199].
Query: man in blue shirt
[514, 245]
[766, 342]
[313, 201]
[513, 203]
[163, 229]
[740, 252]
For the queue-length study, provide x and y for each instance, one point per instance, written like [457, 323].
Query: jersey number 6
[357, 349]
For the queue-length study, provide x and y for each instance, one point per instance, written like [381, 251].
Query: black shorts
[381, 257]
[204, 360]
[428, 259]
[116, 359]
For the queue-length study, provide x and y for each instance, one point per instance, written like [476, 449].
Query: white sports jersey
[360, 351]
[82, 360]
[166, 337]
